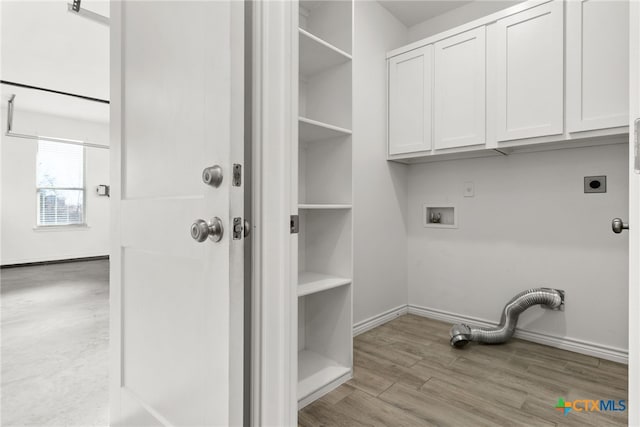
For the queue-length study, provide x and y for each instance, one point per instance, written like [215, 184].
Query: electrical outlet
[469, 190]
[595, 184]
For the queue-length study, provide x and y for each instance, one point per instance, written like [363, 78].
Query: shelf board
[320, 206]
[310, 283]
[313, 130]
[316, 55]
[316, 371]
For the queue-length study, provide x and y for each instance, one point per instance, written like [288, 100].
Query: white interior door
[176, 302]
[634, 215]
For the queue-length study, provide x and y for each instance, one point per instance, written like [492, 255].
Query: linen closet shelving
[324, 197]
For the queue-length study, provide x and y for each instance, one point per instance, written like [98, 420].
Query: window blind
[60, 184]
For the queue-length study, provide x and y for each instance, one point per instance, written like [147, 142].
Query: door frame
[634, 218]
[274, 359]
[115, 164]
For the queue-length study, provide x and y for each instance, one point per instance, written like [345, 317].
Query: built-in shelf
[313, 130]
[324, 292]
[316, 55]
[309, 283]
[319, 206]
[316, 371]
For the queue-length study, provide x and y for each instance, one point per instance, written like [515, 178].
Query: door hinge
[294, 224]
[237, 175]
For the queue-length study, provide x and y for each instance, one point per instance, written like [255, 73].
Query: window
[60, 184]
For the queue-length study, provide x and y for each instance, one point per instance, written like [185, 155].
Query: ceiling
[411, 12]
[44, 45]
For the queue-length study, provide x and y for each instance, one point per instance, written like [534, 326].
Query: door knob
[201, 229]
[212, 176]
[247, 228]
[617, 225]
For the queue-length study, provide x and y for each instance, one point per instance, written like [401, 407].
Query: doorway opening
[55, 213]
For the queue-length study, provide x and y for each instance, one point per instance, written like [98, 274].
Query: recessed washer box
[595, 184]
[439, 215]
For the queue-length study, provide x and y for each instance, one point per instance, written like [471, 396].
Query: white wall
[458, 16]
[20, 242]
[529, 225]
[379, 187]
[44, 45]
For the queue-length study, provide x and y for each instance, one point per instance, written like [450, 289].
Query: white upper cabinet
[597, 64]
[499, 82]
[460, 87]
[530, 73]
[410, 101]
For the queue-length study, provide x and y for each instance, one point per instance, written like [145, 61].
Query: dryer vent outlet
[595, 184]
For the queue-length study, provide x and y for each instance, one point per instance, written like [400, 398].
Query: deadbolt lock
[212, 176]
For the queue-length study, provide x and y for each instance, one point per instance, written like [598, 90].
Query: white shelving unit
[309, 283]
[323, 206]
[317, 370]
[324, 342]
[316, 55]
[312, 130]
[324, 202]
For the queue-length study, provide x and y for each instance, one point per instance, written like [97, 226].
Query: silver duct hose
[461, 334]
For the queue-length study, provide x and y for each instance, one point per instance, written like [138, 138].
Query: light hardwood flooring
[55, 334]
[406, 374]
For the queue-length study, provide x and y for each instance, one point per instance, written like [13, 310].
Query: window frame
[82, 224]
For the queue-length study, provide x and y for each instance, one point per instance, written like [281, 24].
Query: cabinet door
[530, 73]
[597, 64]
[460, 88]
[410, 101]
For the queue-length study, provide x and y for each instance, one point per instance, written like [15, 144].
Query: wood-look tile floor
[406, 374]
[55, 336]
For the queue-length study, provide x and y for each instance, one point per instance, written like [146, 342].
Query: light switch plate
[595, 184]
[469, 190]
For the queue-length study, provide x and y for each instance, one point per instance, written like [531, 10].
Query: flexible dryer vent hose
[461, 334]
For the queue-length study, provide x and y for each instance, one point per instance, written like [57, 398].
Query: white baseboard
[52, 259]
[377, 320]
[578, 346]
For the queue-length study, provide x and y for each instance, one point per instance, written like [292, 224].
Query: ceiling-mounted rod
[57, 92]
[78, 10]
[10, 132]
